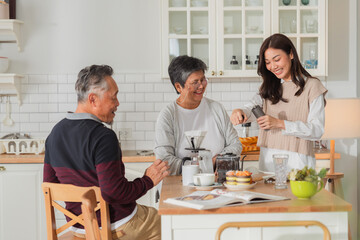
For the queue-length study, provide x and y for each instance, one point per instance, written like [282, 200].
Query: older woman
[192, 111]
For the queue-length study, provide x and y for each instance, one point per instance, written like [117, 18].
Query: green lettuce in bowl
[307, 182]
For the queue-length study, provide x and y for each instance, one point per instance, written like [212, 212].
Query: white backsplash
[47, 98]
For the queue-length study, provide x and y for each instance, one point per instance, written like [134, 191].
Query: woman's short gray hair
[182, 67]
[92, 79]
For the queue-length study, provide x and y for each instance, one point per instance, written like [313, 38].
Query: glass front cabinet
[227, 34]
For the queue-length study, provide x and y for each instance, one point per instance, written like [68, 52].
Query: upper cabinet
[305, 23]
[227, 34]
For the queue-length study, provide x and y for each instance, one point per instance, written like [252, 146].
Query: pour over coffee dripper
[194, 139]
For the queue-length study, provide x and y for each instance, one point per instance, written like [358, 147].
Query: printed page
[204, 200]
[248, 196]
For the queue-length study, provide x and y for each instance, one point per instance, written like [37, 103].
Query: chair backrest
[88, 206]
[327, 235]
[69, 193]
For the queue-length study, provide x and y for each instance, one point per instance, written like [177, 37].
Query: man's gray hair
[92, 79]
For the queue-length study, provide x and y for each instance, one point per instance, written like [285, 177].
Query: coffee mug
[204, 179]
[188, 171]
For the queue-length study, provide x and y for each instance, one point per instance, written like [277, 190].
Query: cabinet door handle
[2, 168]
[221, 73]
[212, 73]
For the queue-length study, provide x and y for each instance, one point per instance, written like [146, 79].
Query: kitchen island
[186, 223]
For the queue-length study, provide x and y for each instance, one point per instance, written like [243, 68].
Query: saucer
[205, 187]
[239, 187]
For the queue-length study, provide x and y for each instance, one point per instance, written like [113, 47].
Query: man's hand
[238, 117]
[268, 122]
[157, 171]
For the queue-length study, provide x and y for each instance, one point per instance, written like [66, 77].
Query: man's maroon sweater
[84, 152]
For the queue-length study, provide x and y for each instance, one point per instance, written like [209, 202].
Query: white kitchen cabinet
[217, 31]
[22, 213]
[305, 23]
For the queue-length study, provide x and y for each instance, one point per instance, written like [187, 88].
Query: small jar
[224, 163]
[246, 129]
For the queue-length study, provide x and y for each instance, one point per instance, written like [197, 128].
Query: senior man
[81, 151]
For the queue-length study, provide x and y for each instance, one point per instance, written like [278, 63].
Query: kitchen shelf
[10, 85]
[10, 32]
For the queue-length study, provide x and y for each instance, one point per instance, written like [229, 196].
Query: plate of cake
[239, 180]
[239, 187]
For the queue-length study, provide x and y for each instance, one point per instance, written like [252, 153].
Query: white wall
[61, 37]
[342, 83]
[64, 36]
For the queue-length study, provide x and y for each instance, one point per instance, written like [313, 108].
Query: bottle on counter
[256, 62]
[234, 64]
[248, 62]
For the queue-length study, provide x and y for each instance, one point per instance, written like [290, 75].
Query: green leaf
[322, 173]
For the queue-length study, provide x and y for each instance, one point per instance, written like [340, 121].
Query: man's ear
[178, 87]
[92, 98]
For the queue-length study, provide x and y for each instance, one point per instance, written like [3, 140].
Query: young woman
[293, 102]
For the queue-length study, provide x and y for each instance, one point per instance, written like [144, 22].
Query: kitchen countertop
[323, 201]
[130, 156]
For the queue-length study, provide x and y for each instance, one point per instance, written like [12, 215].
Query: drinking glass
[293, 26]
[310, 25]
[280, 164]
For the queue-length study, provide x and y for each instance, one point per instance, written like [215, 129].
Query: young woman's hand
[238, 117]
[268, 122]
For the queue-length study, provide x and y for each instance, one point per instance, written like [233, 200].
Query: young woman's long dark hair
[271, 87]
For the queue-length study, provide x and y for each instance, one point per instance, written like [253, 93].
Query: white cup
[188, 171]
[204, 179]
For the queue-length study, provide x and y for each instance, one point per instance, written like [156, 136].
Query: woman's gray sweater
[167, 135]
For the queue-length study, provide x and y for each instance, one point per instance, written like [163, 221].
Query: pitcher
[205, 164]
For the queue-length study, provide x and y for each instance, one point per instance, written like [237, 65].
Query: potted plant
[307, 182]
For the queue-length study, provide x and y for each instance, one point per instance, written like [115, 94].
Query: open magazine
[221, 198]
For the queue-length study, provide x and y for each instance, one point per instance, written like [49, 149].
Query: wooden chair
[88, 206]
[273, 224]
[69, 193]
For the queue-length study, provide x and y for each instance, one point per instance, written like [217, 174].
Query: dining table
[187, 223]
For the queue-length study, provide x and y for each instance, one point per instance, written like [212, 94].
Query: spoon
[8, 121]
